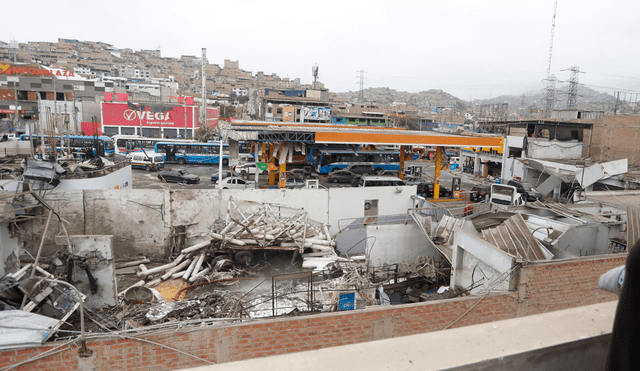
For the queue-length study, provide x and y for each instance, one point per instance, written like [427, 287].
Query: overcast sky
[471, 49]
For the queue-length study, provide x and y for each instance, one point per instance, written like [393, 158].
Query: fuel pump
[455, 186]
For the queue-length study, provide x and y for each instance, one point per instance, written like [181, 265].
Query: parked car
[234, 182]
[295, 182]
[302, 173]
[528, 192]
[343, 176]
[478, 193]
[426, 190]
[248, 168]
[379, 181]
[414, 180]
[363, 169]
[178, 176]
[225, 174]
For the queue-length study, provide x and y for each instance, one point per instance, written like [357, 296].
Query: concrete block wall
[544, 287]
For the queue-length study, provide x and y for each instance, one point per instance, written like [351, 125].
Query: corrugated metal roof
[514, 237]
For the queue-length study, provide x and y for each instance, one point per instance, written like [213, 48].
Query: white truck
[503, 194]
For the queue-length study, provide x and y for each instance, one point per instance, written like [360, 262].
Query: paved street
[149, 180]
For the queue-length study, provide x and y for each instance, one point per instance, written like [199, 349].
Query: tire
[243, 257]
[334, 180]
[147, 168]
[226, 265]
[182, 161]
[225, 162]
[225, 187]
[379, 171]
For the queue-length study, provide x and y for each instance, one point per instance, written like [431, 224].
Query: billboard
[287, 113]
[122, 114]
[315, 113]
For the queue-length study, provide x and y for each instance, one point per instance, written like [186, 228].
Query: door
[171, 153]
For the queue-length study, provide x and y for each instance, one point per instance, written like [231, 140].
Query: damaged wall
[142, 220]
[9, 252]
[476, 262]
[396, 243]
[543, 287]
[553, 149]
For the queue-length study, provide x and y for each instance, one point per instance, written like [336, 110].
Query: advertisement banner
[121, 114]
[287, 113]
[315, 113]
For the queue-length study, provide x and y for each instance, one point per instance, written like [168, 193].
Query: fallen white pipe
[156, 269]
[187, 273]
[175, 269]
[196, 247]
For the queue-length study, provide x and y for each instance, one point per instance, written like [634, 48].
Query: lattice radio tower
[361, 92]
[551, 80]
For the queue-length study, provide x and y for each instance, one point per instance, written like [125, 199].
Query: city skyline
[470, 50]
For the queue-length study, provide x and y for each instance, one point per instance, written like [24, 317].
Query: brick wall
[543, 287]
[615, 139]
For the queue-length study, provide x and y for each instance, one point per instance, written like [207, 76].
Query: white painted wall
[553, 149]
[474, 258]
[396, 243]
[97, 250]
[348, 203]
[119, 179]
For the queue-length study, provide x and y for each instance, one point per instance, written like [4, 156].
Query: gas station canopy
[265, 131]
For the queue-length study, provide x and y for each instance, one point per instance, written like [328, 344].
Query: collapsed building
[115, 279]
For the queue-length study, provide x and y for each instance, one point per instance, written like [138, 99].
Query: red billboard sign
[120, 114]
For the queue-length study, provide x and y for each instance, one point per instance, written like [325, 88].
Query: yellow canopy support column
[401, 172]
[282, 176]
[272, 174]
[436, 177]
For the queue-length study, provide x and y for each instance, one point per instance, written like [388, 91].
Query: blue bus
[193, 153]
[327, 160]
[78, 144]
[125, 143]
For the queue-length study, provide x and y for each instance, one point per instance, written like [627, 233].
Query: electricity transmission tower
[361, 92]
[573, 88]
[551, 80]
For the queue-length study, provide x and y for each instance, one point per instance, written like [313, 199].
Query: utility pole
[551, 80]
[361, 91]
[203, 114]
[314, 72]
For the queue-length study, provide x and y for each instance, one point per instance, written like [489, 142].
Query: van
[146, 161]
[380, 181]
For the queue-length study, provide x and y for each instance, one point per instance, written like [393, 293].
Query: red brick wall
[566, 284]
[614, 139]
[544, 287]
